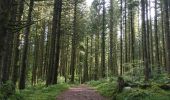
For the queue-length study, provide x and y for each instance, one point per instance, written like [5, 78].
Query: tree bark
[5, 7]
[73, 52]
[157, 41]
[167, 32]
[22, 80]
[111, 38]
[103, 43]
[144, 36]
[16, 42]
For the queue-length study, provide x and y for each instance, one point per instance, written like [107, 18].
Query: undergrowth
[43, 93]
[39, 92]
[107, 87]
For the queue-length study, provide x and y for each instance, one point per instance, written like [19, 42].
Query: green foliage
[108, 88]
[105, 87]
[161, 78]
[16, 96]
[133, 71]
[134, 94]
[61, 80]
[154, 93]
[39, 92]
[42, 92]
[6, 90]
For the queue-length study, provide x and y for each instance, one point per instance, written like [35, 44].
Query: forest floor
[82, 92]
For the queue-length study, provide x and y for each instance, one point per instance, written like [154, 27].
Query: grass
[40, 92]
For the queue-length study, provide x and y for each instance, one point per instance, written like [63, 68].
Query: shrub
[6, 90]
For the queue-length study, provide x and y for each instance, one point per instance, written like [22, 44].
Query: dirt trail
[81, 92]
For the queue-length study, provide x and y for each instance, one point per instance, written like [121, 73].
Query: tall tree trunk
[96, 72]
[73, 52]
[16, 42]
[157, 41]
[5, 7]
[86, 74]
[163, 38]
[25, 48]
[57, 46]
[36, 58]
[126, 42]
[103, 43]
[144, 36]
[91, 58]
[121, 38]
[132, 39]
[148, 35]
[111, 38]
[149, 25]
[167, 32]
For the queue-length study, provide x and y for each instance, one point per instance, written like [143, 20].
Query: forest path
[82, 92]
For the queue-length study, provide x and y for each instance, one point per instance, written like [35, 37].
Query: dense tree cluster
[41, 40]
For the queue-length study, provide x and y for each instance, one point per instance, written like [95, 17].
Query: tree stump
[121, 84]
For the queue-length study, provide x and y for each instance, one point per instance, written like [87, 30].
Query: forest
[84, 49]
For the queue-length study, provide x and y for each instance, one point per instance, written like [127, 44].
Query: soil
[81, 92]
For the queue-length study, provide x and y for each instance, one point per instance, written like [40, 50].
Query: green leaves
[6, 90]
[43, 93]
